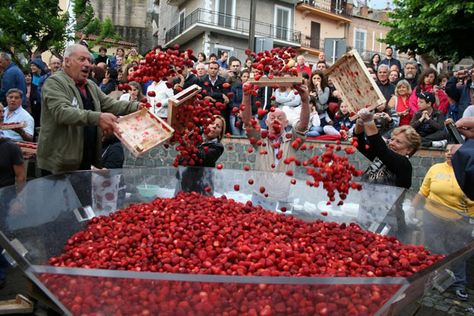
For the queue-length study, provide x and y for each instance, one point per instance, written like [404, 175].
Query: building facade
[213, 26]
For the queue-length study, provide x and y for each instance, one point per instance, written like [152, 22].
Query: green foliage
[88, 24]
[93, 27]
[32, 27]
[439, 27]
[107, 28]
[84, 15]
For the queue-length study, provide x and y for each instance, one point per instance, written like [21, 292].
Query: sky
[378, 4]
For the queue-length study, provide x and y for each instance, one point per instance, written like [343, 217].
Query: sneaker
[461, 294]
[439, 143]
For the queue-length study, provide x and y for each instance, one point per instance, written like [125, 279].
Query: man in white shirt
[15, 113]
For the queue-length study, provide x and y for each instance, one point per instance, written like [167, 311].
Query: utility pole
[253, 12]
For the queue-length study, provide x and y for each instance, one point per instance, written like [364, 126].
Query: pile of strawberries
[195, 234]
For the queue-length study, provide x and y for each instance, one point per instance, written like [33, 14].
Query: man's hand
[465, 126]
[108, 123]
[210, 98]
[226, 99]
[303, 91]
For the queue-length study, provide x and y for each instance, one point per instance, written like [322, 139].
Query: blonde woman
[400, 103]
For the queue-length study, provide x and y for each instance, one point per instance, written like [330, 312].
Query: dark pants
[438, 135]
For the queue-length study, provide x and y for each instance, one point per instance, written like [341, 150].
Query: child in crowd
[341, 122]
[315, 128]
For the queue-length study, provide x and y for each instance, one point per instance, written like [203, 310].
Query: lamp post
[253, 10]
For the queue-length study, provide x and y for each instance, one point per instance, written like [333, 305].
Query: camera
[453, 132]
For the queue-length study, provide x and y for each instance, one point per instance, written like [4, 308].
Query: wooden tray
[186, 96]
[5, 126]
[276, 81]
[28, 148]
[19, 305]
[142, 131]
[351, 77]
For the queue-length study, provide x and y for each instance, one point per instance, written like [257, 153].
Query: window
[182, 15]
[225, 13]
[360, 39]
[282, 21]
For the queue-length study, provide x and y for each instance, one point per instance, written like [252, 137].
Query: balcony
[201, 20]
[324, 8]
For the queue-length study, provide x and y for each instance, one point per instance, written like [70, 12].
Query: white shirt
[162, 94]
[18, 116]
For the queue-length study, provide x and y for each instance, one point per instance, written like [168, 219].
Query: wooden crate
[276, 81]
[6, 126]
[187, 96]
[28, 148]
[351, 77]
[142, 131]
[19, 305]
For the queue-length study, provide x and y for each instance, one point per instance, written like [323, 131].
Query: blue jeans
[236, 131]
[315, 131]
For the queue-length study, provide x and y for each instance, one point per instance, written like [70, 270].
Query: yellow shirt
[440, 185]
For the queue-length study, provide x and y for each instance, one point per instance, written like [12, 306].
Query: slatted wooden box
[351, 77]
[187, 96]
[142, 130]
[276, 81]
[6, 126]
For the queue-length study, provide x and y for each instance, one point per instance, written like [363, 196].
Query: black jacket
[215, 91]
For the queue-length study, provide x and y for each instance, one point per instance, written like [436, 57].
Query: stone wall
[236, 157]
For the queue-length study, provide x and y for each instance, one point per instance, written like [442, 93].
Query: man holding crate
[74, 116]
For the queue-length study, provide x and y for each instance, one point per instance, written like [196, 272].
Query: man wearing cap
[428, 122]
[74, 116]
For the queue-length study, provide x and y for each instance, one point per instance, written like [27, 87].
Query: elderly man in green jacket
[74, 116]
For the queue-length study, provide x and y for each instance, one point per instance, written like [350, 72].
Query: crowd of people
[75, 100]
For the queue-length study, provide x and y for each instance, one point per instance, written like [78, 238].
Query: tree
[87, 24]
[438, 27]
[32, 27]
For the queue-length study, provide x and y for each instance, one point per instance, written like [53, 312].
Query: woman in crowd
[375, 62]
[200, 179]
[120, 52]
[201, 58]
[33, 99]
[133, 56]
[127, 71]
[319, 91]
[426, 83]
[440, 185]
[134, 94]
[236, 125]
[97, 74]
[394, 76]
[109, 83]
[399, 102]
[390, 164]
[248, 64]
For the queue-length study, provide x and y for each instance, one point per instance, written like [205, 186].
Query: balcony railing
[334, 6]
[233, 23]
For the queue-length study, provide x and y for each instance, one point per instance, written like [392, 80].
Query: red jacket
[442, 105]
[306, 69]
